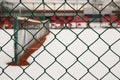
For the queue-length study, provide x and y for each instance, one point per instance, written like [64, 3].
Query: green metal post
[16, 40]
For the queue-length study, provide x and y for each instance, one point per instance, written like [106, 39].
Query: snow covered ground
[80, 60]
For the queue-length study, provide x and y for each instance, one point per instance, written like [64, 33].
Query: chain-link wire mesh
[83, 43]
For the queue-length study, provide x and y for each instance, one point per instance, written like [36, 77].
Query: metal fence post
[16, 40]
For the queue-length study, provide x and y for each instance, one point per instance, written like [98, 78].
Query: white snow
[44, 56]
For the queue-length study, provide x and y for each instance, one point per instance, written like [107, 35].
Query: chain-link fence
[83, 41]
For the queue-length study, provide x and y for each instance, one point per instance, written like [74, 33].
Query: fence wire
[83, 43]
